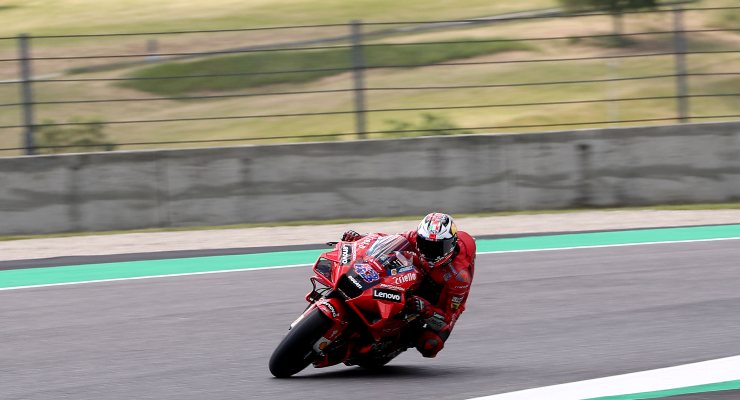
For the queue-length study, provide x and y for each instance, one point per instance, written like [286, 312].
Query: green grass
[95, 16]
[138, 16]
[352, 221]
[726, 19]
[399, 77]
[729, 20]
[326, 62]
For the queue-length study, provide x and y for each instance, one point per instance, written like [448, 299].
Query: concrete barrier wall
[469, 173]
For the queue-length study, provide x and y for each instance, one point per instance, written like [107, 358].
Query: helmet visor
[434, 250]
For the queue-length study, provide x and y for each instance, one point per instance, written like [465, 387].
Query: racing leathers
[441, 297]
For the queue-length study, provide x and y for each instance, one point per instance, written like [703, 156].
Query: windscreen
[388, 244]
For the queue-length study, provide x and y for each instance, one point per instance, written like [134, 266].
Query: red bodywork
[362, 287]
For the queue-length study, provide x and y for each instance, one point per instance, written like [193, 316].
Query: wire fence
[347, 85]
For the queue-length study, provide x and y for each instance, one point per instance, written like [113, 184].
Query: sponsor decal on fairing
[384, 294]
[354, 281]
[402, 270]
[455, 302]
[331, 309]
[362, 244]
[367, 273]
[392, 287]
[346, 255]
[411, 276]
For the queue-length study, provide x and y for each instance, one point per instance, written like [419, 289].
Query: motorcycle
[356, 312]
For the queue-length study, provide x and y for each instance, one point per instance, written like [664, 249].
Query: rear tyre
[295, 351]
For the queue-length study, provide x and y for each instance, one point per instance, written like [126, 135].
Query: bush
[616, 8]
[612, 6]
[84, 136]
[430, 124]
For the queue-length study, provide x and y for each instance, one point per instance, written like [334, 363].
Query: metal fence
[84, 81]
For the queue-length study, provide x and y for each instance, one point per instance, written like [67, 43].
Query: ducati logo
[354, 281]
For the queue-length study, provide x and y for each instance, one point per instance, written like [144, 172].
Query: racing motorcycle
[356, 312]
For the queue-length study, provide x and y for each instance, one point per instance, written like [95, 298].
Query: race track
[533, 319]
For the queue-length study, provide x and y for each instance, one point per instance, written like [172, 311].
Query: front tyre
[295, 352]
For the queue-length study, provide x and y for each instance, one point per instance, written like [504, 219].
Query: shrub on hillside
[430, 124]
[80, 136]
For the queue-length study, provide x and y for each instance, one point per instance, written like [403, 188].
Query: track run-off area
[650, 313]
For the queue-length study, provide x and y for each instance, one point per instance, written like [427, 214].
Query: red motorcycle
[357, 312]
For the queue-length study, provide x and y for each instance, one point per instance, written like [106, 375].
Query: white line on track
[606, 245]
[303, 265]
[701, 373]
[707, 372]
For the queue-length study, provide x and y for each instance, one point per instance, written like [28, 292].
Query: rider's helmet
[436, 238]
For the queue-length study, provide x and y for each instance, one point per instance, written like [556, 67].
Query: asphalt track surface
[533, 319]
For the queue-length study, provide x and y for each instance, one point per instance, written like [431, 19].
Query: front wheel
[295, 352]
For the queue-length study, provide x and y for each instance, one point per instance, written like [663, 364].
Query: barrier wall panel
[457, 174]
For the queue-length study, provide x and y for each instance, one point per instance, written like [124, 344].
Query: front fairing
[332, 265]
[367, 284]
[374, 276]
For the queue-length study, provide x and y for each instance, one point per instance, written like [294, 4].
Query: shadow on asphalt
[391, 371]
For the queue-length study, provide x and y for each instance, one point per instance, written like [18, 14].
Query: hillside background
[91, 69]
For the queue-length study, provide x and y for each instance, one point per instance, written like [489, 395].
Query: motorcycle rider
[447, 261]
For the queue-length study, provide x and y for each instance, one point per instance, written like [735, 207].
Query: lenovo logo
[390, 295]
[346, 254]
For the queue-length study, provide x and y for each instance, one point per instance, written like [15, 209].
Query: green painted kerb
[134, 269]
[711, 387]
[610, 238]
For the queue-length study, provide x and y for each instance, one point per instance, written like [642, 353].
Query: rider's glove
[420, 306]
[350, 236]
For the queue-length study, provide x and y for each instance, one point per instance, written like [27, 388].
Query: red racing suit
[446, 288]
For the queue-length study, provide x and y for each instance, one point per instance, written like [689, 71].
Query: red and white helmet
[436, 238]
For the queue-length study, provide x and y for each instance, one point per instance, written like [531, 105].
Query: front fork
[335, 310]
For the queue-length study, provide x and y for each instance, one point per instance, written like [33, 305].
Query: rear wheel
[295, 351]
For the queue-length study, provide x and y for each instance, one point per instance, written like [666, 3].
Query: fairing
[367, 285]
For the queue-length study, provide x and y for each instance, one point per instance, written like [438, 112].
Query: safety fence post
[358, 69]
[679, 46]
[24, 50]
